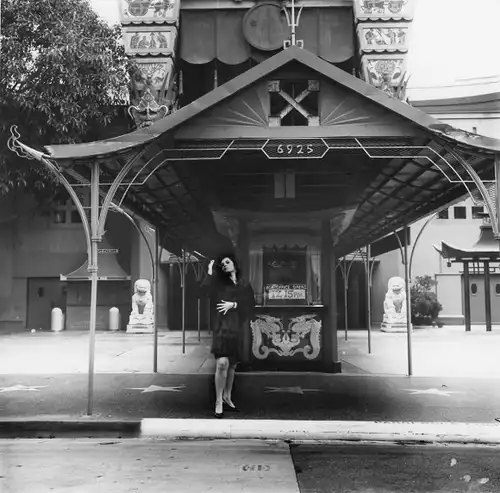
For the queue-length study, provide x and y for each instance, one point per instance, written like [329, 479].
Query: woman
[235, 306]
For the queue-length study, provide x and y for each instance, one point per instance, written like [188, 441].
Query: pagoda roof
[486, 248]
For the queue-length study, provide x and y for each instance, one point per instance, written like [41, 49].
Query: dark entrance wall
[356, 298]
[44, 294]
[11, 313]
[174, 308]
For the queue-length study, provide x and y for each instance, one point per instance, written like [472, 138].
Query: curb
[326, 431]
[290, 431]
[69, 428]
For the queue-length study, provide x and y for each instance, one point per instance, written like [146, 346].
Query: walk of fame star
[290, 390]
[20, 388]
[445, 393]
[158, 388]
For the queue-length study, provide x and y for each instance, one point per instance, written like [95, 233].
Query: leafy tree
[63, 78]
[425, 306]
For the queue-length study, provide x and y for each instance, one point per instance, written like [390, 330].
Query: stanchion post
[183, 281]
[408, 300]
[368, 298]
[93, 266]
[156, 273]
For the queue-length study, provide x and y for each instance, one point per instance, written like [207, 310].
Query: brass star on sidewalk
[20, 388]
[158, 388]
[290, 390]
[445, 393]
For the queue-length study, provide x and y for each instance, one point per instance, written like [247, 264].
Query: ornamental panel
[149, 11]
[375, 37]
[386, 72]
[154, 74]
[285, 336]
[384, 10]
[150, 40]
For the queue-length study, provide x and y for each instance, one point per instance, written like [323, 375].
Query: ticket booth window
[286, 275]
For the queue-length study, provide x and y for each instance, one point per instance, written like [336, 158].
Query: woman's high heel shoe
[232, 408]
[221, 414]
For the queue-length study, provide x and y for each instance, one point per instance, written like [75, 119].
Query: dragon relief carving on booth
[270, 336]
[153, 91]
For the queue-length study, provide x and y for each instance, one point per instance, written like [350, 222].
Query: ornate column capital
[383, 28]
[150, 29]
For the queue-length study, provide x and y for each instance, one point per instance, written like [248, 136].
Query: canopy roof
[385, 165]
[109, 267]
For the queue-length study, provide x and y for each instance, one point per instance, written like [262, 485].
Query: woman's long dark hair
[223, 276]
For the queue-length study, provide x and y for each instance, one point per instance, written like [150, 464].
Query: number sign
[295, 149]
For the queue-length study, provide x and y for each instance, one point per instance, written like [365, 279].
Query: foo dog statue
[142, 317]
[395, 306]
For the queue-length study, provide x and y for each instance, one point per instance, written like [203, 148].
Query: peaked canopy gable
[370, 94]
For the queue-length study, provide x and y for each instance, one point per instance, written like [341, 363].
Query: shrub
[425, 306]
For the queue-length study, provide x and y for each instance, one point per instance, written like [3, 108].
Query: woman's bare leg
[229, 385]
[221, 373]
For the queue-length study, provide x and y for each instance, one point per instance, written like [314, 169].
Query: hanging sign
[286, 291]
[295, 148]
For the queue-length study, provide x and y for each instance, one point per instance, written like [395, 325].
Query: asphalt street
[259, 396]
[396, 468]
[153, 466]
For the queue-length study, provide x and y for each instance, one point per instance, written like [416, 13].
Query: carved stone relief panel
[286, 336]
[384, 9]
[386, 72]
[154, 74]
[149, 11]
[375, 37]
[150, 40]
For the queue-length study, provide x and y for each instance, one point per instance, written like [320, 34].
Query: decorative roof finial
[293, 23]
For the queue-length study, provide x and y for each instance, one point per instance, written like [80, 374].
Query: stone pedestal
[394, 327]
[140, 328]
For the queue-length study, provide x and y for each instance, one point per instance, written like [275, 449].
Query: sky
[450, 39]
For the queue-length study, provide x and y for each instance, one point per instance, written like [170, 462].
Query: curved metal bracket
[488, 202]
[24, 151]
[114, 187]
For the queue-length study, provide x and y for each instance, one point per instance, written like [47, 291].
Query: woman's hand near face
[211, 267]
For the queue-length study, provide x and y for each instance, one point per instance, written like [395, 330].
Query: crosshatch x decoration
[294, 103]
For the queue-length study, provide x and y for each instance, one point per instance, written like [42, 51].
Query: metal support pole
[156, 273]
[368, 298]
[487, 295]
[183, 281]
[408, 301]
[93, 268]
[467, 297]
[199, 321]
[346, 314]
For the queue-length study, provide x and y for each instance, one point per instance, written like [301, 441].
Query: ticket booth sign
[286, 291]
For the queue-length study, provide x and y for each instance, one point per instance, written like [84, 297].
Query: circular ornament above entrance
[265, 26]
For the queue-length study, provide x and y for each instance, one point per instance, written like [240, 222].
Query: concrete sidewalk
[44, 377]
[115, 352]
[448, 351]
[438, 352]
